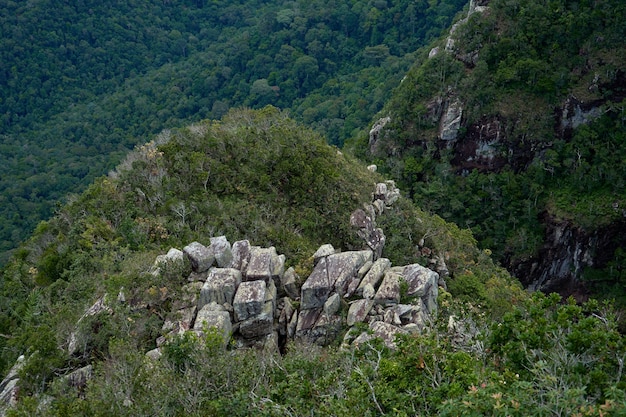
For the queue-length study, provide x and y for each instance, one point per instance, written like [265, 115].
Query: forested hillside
[81, 83]
[83, 304]
[513, 125]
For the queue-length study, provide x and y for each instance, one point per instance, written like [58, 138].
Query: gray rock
[258, 325]
[249, 299]
[289, 284]
[79, 378]
[358, 311]
[9, 388]
[384, 331]
[376, 133]
[344, 266]
[369, 292]
[451, 122]
[332, 305]
[222, 251]
[318, 328]
[200, 257]
[389, 292]
[317, 287]
[172, 256]
[352, 287]
[271, 294]
[375, 274]
[241, 253]
[293, 324]
[262, 264]
[220, 286]
[219, 320]
[154, 354]
[322, 252]
[420, 279]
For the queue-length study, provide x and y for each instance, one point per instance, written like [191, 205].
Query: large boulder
[381, 330]
[220, 286]
[264, 264]
[222, 251]
[317, 287]
[249, 299]
[358, 311]
[389, 292]
[258, 325]
[210, 316]
[343, 267]
[200, 257]
[315, 327]
[375, 274]
[241, 255]
[422, 282]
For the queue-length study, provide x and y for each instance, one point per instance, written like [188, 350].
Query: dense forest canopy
[82, 83]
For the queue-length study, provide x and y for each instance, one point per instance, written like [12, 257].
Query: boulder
[451, 122]
[249, 299]
[322, 252]
[289, 284]
[241, 253]
[209, 317]
[358, 311]
[317, 287]
[389, 292]
[423, 283]
[172, 256]
[384, 331]
[154, 354]
[220, 286]
[200, 257]
[264, 264]
[259, 325]
[222, 251]
[344, 266]
[369, 292]
[375, 274]
[318, 328]
[332, 305]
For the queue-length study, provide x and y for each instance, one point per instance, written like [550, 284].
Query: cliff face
[518, 133]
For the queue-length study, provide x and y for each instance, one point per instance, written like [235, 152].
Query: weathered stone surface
[173, 255]
[423, 283]
[222, 251]
[376, 133]
[285, 315]
[154, 354]
[317, 287]
[249, 299]
[258, 325]
[385, 331]
[200, 257]
[318, 328]
[451, 122]
[364, 269]
[332, 305]
[198, 276]
[389, 292]
[289, 284]
[360, 220]
[375, 274]
[209, 318]
[8, 386]
[344, 266]
[241, 254]
[323, 251]
[420, 279]
[358, 311]
[352, 286]
[262, 264]
[271, 294]
[220, 286]
[79, 378]
[369, 292]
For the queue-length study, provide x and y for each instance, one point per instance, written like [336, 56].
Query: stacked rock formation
[245, 292]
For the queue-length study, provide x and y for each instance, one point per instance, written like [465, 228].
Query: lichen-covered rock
[358, 311]
[241, 254]
[258, 325]
[318, 328]
[451, 122]
[289, 284]
[173, 255]
[317, 287]
[249, 299]
[264, 264]
[379, 329]
[389, 292]
[208, 317]
[200, 257]
[220, 286]
[332, 305]
[222, 251]
[344, 266]
[375, 274]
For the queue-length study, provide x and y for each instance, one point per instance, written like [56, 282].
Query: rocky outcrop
[9, 386]
[451, 123]
[376, 132]
[235, 289]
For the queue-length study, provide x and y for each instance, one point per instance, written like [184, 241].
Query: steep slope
[513, 126]
[256, 175]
